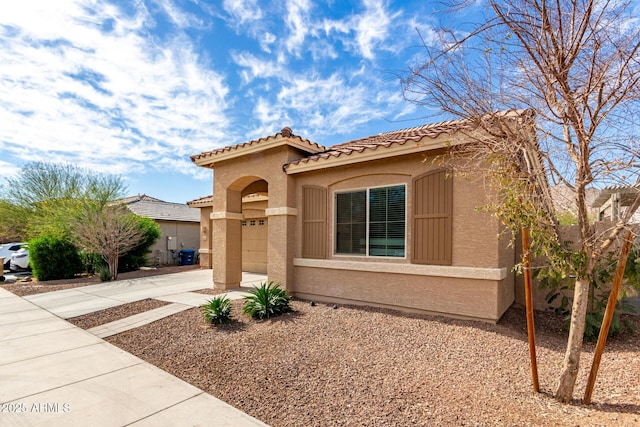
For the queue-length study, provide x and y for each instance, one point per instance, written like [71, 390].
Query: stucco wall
[570, 234]
[451, 296]
[187, 235]
[206, 240]
[475, 234]
[479, 284]
[485, 291]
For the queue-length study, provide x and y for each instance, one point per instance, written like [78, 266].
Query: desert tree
[110, 230]
[42, 197]
[553, 88]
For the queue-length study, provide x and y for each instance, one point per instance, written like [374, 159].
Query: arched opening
[254, 193]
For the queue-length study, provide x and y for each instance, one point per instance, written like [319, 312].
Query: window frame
[334, 220]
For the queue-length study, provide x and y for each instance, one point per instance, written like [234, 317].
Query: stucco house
[371, 221]
[178, 222]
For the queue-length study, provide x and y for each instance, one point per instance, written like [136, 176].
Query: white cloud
[298, 22]
[317, 106]
[8, 170]
[256, 67]
[367, 31]
[372, 27]
[81, 80]
[177, 16]
[243, 11]
[266, 40]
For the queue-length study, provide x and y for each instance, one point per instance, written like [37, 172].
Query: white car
[7, 250]
[19, 260]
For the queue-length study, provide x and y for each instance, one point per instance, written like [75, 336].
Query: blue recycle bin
[187, 256]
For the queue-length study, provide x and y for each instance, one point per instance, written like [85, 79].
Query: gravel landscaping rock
[88, 321]
[320, 366]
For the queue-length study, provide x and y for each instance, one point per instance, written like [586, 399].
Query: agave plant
[267, 300]
[217, 310]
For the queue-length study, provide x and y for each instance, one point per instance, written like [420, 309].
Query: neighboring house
[372, 221]
[612, 202]
[179, 223]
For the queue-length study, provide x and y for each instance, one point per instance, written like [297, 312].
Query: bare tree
[108, 230]
[575, 65]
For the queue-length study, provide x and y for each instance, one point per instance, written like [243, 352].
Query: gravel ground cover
[88, 321]
[32, 286]
[320, 366]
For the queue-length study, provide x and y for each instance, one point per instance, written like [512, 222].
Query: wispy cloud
[110, 95]
[321, 106]
[368, 30]
[298, 23]
[372, 26]
[243, 11]
[255, 67]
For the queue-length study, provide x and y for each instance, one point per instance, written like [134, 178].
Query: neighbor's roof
[284, 137]
[163, 211]
[138, 198]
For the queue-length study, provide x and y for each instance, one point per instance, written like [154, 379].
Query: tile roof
[201, 201]
[284, 133]
[137, 198]
[387, 139]
[164, 211]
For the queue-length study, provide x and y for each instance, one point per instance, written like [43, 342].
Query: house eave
[208, 160]
[377, 153]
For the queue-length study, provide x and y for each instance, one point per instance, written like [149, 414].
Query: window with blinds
[371, 222]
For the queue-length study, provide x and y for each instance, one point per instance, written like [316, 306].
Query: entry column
[227, 249]
[281, 244]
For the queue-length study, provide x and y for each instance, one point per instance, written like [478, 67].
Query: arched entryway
[255, 227]
[246, 171]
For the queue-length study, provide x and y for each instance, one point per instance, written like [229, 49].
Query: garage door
[254, 245]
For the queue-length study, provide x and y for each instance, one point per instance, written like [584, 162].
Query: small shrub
[54, 258]
[92, 262]
[217, 311]
[137, 256]
[104, 273]
[267, 300]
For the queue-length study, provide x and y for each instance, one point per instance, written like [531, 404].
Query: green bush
[602, 278]
[137, 257]
[54, 258]
[92, 262]
[104, 273]
[217, 310]
[267, 300]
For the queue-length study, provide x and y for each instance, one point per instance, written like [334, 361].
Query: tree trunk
[571, 361]
[113, 267]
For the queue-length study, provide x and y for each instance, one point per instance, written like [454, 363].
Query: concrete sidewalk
[88, 299]
[53, 373]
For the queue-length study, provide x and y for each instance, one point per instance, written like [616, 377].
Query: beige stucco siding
[458, 297]
[475, 234]
[478, 284]
[187, 235]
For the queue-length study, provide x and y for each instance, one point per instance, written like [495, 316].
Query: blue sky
[134, 87]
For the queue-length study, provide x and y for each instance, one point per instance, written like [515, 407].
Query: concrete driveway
[53, 373]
